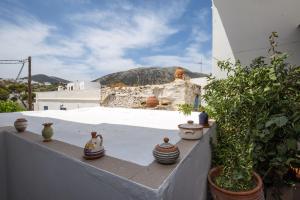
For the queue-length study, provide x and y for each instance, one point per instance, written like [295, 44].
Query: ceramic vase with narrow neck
[47, 132]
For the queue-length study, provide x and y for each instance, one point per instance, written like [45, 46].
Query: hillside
[145, 76]
[42, 78]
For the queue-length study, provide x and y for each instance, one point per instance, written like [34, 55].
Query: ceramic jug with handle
[94, 147]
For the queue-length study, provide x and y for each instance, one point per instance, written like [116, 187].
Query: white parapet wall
[33, 169]
[241, 30]
[67, 99]
[36, 170]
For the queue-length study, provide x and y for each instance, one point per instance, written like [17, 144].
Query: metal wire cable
[13, 62]
[10, 63]
[20, 71]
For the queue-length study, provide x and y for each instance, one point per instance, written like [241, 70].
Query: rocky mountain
[42, 78]
[145, 76]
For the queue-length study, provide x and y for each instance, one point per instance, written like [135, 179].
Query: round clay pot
[20, 124]
[152, 102]
[47, 132]
[166, 153]
[218, 193]
[190, 131]
[179, 73]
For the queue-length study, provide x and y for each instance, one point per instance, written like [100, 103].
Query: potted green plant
[234, 177]
[256, 109]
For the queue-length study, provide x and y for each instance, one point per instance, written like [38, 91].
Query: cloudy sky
[85, 39]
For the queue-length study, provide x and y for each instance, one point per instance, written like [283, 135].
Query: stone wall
[169, 95]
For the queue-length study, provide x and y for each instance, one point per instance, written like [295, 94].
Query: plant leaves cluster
[10, 106]
[186, 109]
[257, 110]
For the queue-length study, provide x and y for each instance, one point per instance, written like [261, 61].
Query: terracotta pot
[179, 73]
[20, 124]
[47, 132]
[296, 171]
[218, 193]
[152, 102]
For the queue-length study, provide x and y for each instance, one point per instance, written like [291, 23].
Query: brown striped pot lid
[21, 120]
[166, 147]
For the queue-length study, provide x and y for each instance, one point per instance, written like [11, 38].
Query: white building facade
[76, 95]
[82, 85]
[241, 30]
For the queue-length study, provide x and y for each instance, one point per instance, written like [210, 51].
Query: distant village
[80, 94]
[16, 91]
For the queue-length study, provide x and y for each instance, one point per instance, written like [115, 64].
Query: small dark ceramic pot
[203, 119]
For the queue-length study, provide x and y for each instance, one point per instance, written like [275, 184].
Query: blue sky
[85, 39]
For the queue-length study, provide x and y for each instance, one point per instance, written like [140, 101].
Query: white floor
[129, 134]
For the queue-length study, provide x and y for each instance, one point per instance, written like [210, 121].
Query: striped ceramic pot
[21, 124]
[166, 153]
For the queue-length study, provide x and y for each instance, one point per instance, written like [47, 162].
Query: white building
[83, 85]
[241, 29]
[76, 95]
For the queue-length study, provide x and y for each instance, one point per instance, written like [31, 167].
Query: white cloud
[112, 35]
[98, 42]
[28, 37]
[190, 58]
[191, 62]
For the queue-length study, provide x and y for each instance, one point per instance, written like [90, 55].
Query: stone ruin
[169, 95]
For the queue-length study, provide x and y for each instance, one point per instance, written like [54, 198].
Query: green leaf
[291, 144]
[267, 89]
[279, 121]
[293, 160]
[297, 128]
[281, 149]
[273, 76]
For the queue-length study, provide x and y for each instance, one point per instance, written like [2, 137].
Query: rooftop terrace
[36, 170]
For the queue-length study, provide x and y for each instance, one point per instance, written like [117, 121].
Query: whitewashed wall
[241, 29]
[83, 85]
[69, 99]
[69, 105]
